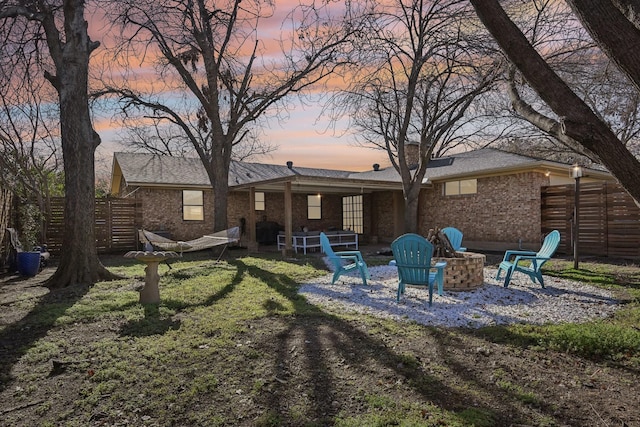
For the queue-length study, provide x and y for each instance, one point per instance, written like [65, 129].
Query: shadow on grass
[151, 324]
[320, 338]
[334, 356]
[19, 336]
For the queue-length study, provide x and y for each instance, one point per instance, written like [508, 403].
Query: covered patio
[370, 205]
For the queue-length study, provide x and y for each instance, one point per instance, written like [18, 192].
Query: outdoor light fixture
[576, 173]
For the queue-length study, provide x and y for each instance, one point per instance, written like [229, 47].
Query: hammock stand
[152, 241]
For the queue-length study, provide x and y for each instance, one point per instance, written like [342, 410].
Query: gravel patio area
[492, 304]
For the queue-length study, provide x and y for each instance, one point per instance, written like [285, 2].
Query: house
[492, 196]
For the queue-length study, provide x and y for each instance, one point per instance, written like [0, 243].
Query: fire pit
[464, 270]
[465, 273]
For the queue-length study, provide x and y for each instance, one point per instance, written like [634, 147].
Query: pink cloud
[300, 138]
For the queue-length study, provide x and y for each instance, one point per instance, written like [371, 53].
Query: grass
[617, 338]
[233, 342]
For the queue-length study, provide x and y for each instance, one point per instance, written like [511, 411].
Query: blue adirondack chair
[344, 261]
[455, 238]
[529, 263]
[412, 255]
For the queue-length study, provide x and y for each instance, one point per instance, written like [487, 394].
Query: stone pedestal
[463, 274]
[150, 294]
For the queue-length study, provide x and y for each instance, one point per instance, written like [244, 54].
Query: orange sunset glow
[304, 136]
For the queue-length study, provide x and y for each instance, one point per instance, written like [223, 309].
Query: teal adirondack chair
[344, 261]
[455, 238]
[529, 263]
[412, 255]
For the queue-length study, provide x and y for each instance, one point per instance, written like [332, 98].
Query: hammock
[207, 241]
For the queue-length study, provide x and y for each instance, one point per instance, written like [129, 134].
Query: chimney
[412, 153]
[376, 167]
[290, 164]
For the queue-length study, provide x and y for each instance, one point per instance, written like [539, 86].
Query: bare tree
[214, 52]
[55, 32]
[576, 120]
[422, 68]
[552, 28]
[29, 143]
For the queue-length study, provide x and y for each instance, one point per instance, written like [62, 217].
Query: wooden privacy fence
[117, 222]
[609, 219]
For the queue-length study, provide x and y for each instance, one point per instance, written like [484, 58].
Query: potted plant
[28, 256]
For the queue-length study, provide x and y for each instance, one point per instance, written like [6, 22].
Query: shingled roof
[141, 169]
[472, 163]
[145, 169]
[156, 170]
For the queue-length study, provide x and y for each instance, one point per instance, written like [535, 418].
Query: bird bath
[150, 293]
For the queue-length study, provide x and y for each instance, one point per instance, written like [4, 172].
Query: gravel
[492, 304]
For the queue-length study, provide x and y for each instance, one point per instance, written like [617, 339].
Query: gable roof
[141, 169]
[482, 162]
[153, 170]
[145, 169]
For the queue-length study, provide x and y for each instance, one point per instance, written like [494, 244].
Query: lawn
[232, 343]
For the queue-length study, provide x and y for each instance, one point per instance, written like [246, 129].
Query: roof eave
[325, 182]
[542, 166]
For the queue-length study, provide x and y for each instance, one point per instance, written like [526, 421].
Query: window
[192, 205]
[465, 186]
[352, 213]
[259, 201]
[314, 207]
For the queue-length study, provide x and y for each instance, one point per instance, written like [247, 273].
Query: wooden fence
[609, 219]
[117, 222]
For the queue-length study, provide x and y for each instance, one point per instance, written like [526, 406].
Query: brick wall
[274, 211]
[162, 210]
[505, 209]
[383, 216]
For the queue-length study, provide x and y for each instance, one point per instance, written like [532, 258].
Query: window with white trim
[352, 213]
[314, 206]
[464, 186]
[192, 205]
[259, 201]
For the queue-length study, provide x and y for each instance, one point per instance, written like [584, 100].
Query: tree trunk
[412, 204]
[616, 35]
[218, 171]
[79, 263]
[578, 121]
[220, 200]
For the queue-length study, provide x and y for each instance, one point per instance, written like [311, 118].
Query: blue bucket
[28, 263]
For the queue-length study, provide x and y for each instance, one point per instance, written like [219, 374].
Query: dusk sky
[299, 139]
[302, 138]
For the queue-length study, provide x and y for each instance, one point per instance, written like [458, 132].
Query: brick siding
[383, 215]
[331, 217]
[162, 211]
[506, 209]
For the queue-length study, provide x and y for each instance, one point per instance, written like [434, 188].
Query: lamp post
[576, 173]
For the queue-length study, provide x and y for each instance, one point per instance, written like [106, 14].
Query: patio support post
[252, 244]
[288, 220]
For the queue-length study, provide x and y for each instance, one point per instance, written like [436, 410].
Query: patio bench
[310, 240]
